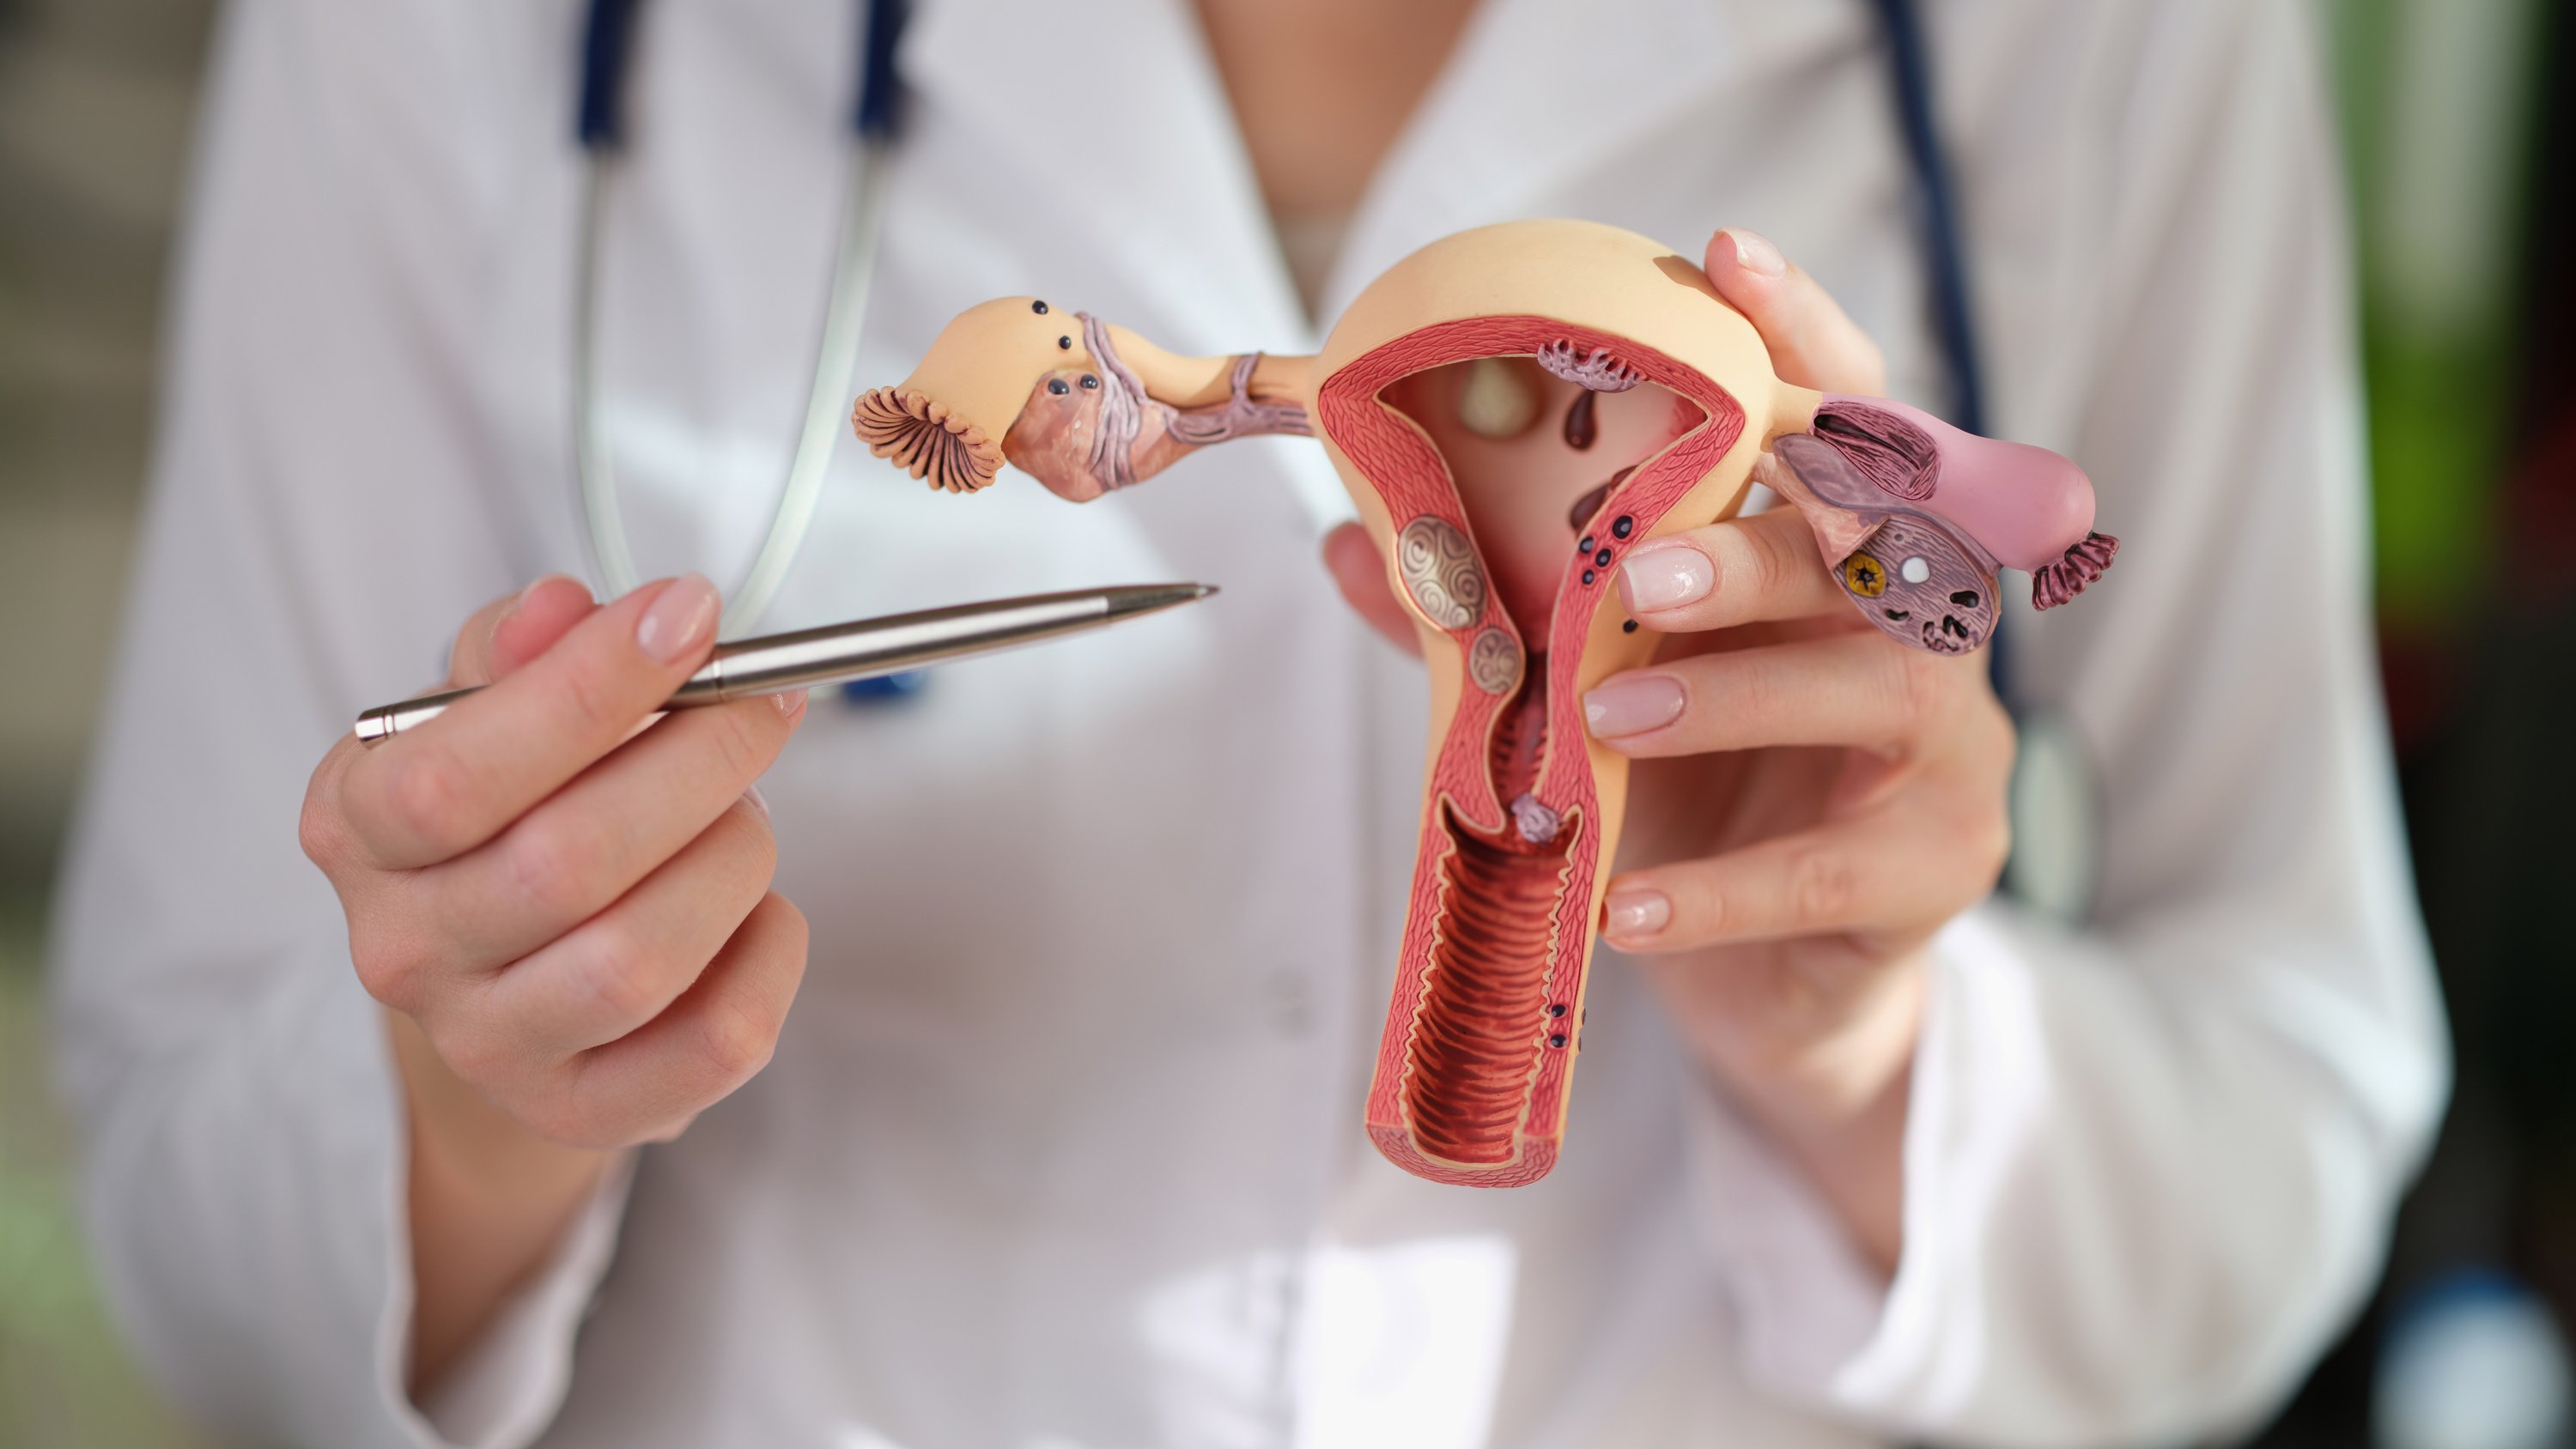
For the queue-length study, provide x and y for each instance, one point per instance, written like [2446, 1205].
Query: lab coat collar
[1154, 173]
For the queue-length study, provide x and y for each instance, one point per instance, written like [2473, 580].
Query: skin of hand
[1811, 800]
[564, 905]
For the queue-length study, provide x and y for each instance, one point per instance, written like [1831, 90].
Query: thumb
[1813, 344]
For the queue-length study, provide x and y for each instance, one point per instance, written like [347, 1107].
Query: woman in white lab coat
[1058, 1145]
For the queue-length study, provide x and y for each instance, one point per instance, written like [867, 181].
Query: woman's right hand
[569, 912]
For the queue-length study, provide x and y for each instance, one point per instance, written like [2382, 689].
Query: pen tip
[1131, 599]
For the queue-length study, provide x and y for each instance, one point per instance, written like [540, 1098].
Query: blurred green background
[2462, 143]
[95, 103]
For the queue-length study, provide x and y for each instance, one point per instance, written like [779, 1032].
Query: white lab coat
[1061, 1146]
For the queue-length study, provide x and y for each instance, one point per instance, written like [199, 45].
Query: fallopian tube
[1513, 410]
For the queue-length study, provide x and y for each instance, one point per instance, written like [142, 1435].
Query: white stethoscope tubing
[835, 360]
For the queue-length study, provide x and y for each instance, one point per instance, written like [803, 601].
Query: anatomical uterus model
[1514, 410]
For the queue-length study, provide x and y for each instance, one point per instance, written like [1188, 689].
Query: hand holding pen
[569, 918]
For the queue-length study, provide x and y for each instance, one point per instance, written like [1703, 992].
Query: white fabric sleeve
[322, 514]
[508, 1386]
[2150, 1167]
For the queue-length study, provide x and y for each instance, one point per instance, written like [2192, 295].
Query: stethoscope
[2054, 809]
[2055, 798]
[608, 34]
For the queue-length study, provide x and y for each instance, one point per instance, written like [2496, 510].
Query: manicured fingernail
[1665, 576]
[1755, 254]
[1633, 705]
[790, 704]
[679, 621]
[519, 600]
[758, 801]
[1639, 913]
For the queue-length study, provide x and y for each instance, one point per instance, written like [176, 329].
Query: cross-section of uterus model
[1514, 410]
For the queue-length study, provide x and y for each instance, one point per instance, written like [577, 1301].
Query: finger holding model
[1907, 827]
[1819, 798]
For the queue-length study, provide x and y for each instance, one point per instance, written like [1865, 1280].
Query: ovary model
[1514, 409]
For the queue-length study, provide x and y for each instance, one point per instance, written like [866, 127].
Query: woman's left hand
[1811, 800]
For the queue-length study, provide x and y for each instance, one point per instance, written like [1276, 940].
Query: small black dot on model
[1587, 576]
[1556, 1040]
[1602, 558]
[1585, 546]
[1038, 307]
[1629, 627]
[1622, 526]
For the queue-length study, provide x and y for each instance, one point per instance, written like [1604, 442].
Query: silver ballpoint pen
[864, 649]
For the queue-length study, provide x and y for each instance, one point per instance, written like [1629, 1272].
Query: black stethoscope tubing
[1944, 251]
[2055, 798]
[608, 38]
